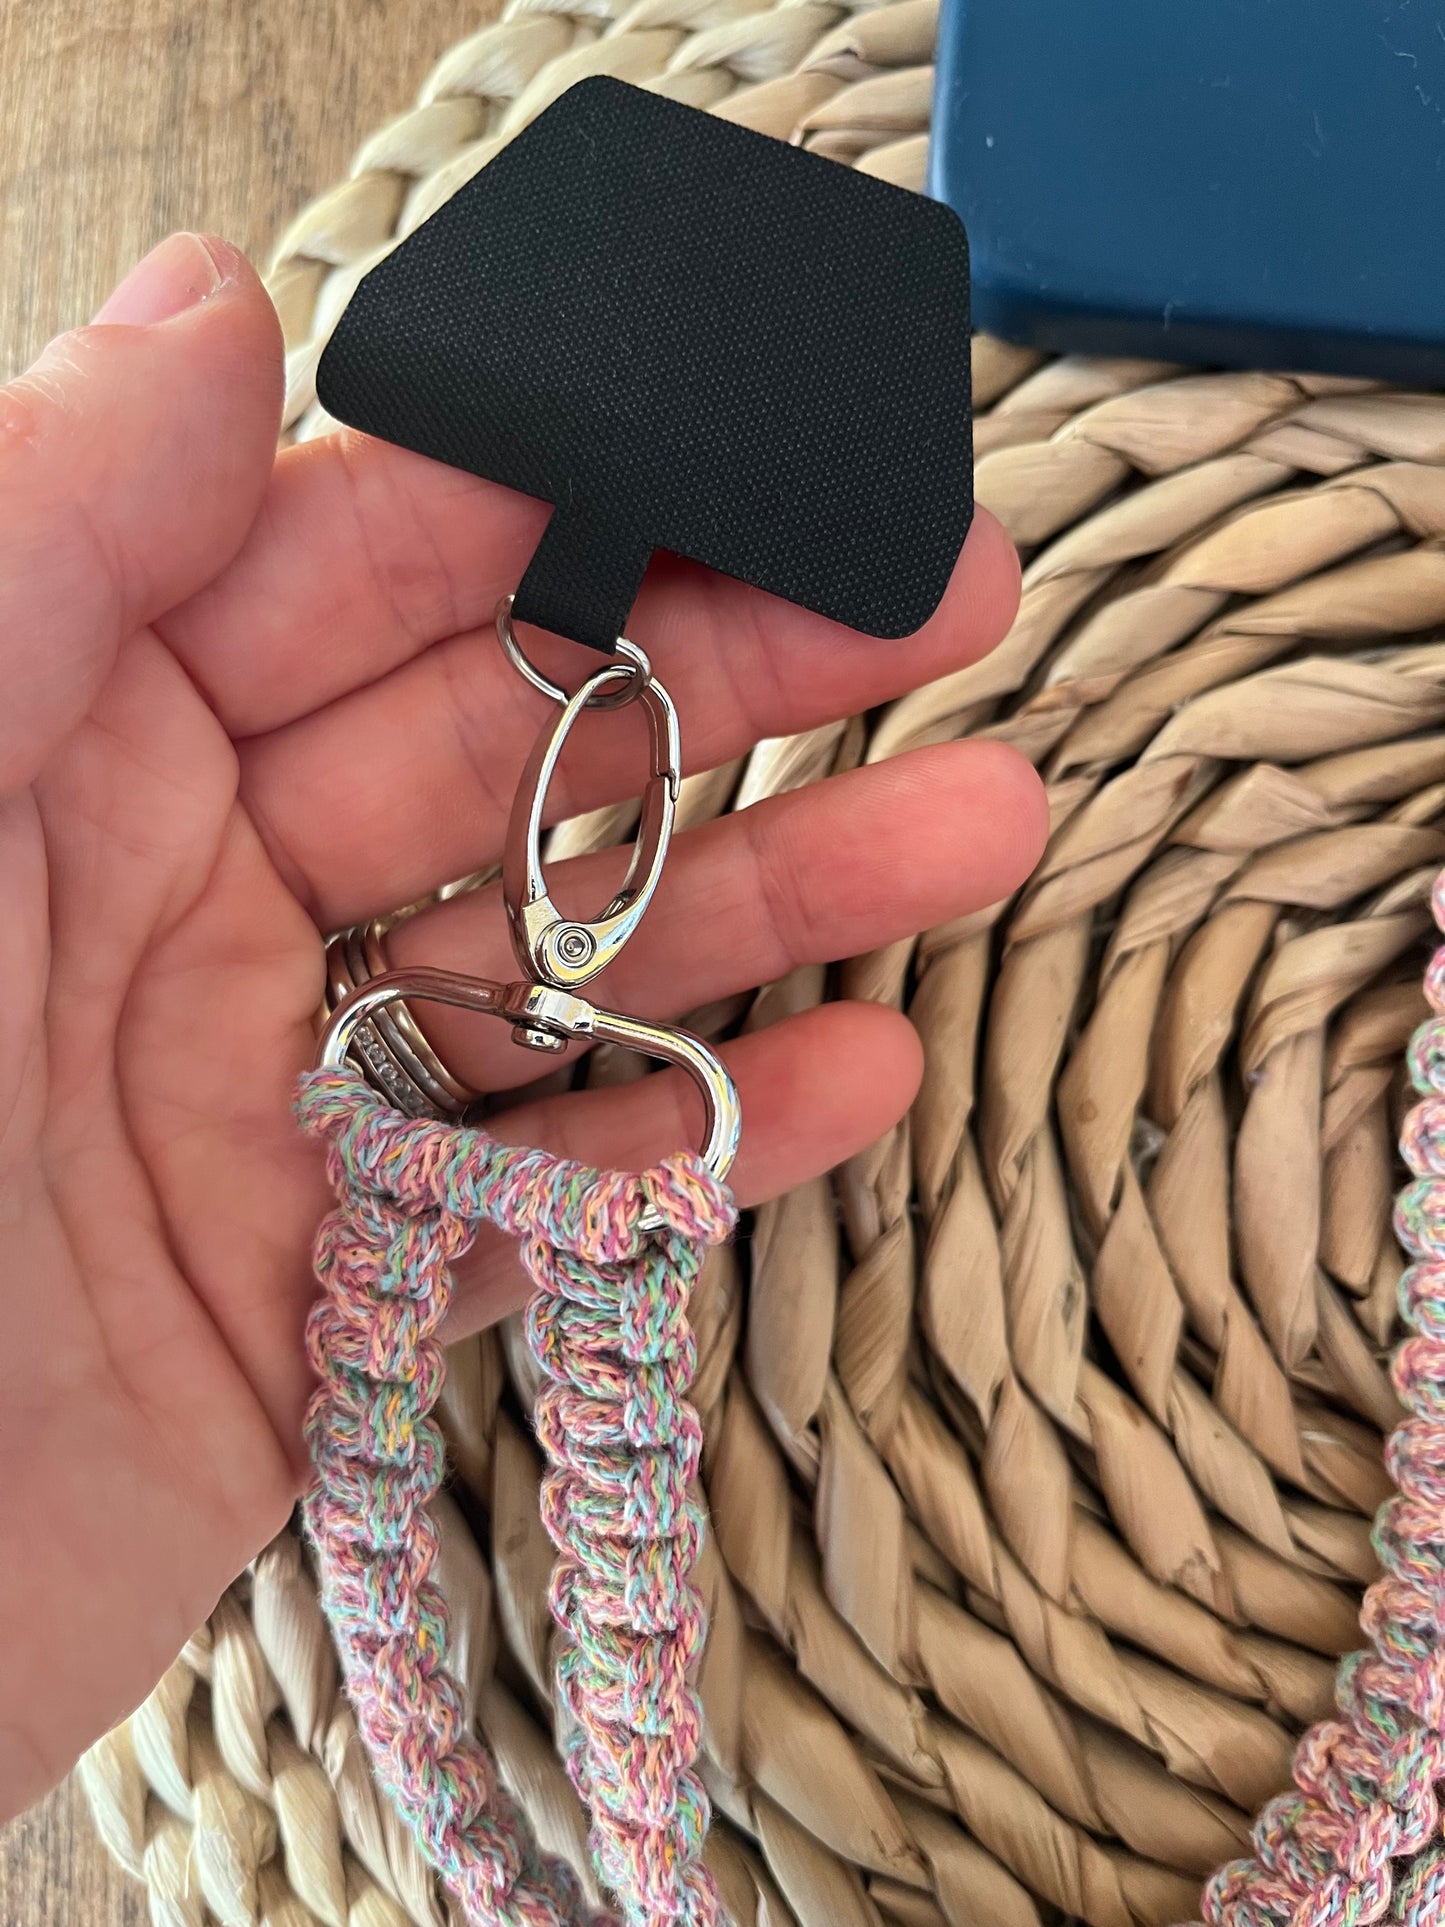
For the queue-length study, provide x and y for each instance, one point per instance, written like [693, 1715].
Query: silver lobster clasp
[565, 1017]
[567, 952]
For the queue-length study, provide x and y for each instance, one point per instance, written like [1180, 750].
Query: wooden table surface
[123, 120]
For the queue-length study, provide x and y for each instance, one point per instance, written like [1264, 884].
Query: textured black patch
[687, 336]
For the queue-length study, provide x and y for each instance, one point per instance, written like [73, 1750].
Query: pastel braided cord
[1360, 1839]
[607, 1323]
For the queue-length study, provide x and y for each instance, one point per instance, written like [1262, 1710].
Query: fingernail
[183, 270]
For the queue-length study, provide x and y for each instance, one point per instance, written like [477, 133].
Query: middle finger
[829, 871]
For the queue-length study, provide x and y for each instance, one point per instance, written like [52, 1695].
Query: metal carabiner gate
[562, 1016]
[568, 952]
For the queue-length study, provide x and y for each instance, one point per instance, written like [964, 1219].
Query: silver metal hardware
[560, 1015]
[627, 655]
[558, 953]
[570, 951]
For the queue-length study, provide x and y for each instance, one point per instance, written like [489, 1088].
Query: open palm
[243, 699]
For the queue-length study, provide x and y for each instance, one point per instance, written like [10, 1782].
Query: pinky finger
[815, 1089]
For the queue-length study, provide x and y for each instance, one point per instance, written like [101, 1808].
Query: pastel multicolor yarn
[608, 1326]
[1360, 1840]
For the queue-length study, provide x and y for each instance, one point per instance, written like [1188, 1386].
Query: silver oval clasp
[567, 952]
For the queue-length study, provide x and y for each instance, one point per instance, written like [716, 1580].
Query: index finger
[391, 790]
[364, 556]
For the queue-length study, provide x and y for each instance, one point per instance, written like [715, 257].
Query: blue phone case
[1243, 182]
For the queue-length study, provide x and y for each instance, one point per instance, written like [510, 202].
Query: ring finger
[815, 1089]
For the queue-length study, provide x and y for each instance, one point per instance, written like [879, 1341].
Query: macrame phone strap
[612, 1258]
[1359, 1839]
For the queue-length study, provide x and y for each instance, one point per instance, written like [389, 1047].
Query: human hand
[246, 698]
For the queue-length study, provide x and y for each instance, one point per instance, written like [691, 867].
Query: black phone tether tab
[685, 336]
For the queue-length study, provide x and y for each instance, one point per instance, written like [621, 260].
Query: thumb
[133, 459]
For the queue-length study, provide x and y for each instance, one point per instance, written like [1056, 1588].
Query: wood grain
[126, 118]
[123, 120]
[55, 1873]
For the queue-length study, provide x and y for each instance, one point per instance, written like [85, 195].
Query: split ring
[626, 655]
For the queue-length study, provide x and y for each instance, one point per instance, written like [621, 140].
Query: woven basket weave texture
[1043, 1440]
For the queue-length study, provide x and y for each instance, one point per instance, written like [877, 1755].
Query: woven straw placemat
[1043, 1441]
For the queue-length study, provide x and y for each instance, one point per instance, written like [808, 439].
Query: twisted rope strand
[608, 1326]
[1325, 1856]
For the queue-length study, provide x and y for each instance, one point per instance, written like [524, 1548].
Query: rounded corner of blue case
[1244, 184]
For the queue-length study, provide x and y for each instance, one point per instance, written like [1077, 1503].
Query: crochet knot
[689, 1199]
[1425, 1057]
[612, 1258]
